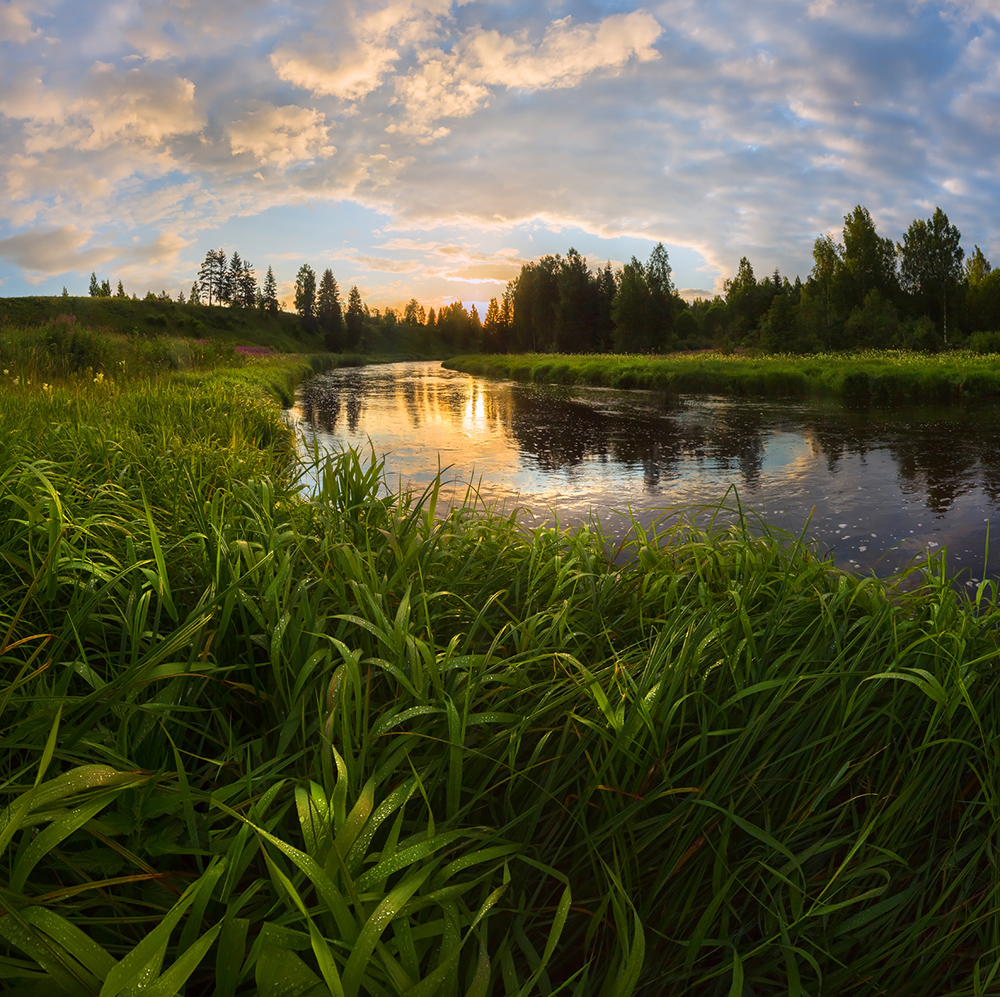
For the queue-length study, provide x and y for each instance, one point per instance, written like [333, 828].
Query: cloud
[54, 251]
[366, 47]
[282, 136]
[457, 83]
[15, 22]
[349, 76]
[111, 106]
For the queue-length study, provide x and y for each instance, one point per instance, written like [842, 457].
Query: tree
[873, 325]
[661, 294]
[576, 308]
[120, 293]
[493, 333]
[743, 301]
[95, 288]
[631, 310]
[328, 309]
[822, 282]
[414, 314]
[869, 261]
[606, 290]
[931, 264]
[305, 293]
[977, 268]
[269, 296]
[212, 276]
[354, 318]
[195, 296]
[241, 283]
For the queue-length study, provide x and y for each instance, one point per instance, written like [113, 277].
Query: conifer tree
[305, 293]
[269, 296]
[328, 310]
[95, 287]
[355, 318]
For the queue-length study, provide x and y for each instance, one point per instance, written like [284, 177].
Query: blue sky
[428, 148]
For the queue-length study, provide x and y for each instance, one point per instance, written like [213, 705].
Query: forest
[864, 292]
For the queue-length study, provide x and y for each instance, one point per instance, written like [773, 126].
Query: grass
[264, 741]
[869, 377]
[156, 320]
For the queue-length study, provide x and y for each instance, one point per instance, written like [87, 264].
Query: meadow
[880, 377]
[265, 741]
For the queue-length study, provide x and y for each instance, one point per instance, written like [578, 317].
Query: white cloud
[282, 136]
[457, 83]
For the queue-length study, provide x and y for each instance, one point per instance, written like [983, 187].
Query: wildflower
[5, 372]
[99, 379]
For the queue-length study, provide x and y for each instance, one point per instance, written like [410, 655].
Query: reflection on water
[874, 488]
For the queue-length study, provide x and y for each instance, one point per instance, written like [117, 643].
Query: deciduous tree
[930, 267]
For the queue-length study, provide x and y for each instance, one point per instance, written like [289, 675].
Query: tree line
[864, 291]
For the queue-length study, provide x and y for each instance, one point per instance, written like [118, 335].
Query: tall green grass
[264, 741]
[869, 377]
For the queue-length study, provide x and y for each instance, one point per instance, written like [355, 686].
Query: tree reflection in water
[875, 486]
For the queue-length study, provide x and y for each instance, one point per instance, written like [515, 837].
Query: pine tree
[120, 293]
[195, 297]
[211, 276]
[105, 289]
[95, 288]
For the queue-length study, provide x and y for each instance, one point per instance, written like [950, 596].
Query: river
[873, 488]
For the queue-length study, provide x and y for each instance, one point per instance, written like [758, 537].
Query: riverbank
[258, 740]
[870, 377]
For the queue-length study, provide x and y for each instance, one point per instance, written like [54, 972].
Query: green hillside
[282, 332]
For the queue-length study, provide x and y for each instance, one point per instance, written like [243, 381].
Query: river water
[873, 488]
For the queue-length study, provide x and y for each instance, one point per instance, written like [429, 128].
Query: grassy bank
[870, 377]
[158, 319]
[265, 742]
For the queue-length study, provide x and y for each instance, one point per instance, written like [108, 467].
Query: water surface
[874, 488]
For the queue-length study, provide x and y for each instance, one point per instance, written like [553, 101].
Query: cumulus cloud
[362, 48]
[282, 136]
[111, 106]
[458, 82]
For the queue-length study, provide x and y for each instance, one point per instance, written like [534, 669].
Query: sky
[429, 148]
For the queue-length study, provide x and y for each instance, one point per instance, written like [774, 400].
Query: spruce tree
[269, 296]
[355, 318]
[305, 293]
[95, 287]
[329, 311]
